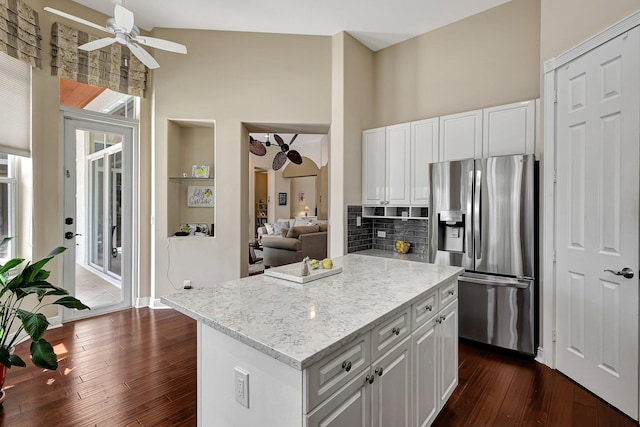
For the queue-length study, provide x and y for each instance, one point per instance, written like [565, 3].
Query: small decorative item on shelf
[402, 247]
[198, 171]
[305, 267]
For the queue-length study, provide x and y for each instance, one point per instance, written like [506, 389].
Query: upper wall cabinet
[509, 129]
[424, 150]
[385, 165]
[373, 166]
[461, 136]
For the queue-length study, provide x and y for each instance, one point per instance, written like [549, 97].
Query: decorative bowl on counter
[402, 247]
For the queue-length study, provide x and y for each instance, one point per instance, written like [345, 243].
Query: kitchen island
[373, 345]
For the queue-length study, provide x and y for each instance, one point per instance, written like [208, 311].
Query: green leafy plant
[31, 280]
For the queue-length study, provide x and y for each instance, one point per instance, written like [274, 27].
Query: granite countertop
[299, 324]
[394, 255]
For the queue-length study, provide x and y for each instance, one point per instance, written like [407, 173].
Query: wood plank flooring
[138, 368]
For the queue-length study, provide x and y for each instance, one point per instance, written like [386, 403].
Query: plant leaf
[34, 323]
[56, 251]
[11, 264]
[43, 356]
[71, 302]
[17, 361]
[5, 357]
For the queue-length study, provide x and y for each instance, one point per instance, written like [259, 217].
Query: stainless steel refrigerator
[483, 218]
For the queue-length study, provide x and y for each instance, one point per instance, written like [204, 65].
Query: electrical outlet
[186, 284]
[358, 221]
[242, 386]
[382, 234]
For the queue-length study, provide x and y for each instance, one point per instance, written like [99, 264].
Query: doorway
[98, 211]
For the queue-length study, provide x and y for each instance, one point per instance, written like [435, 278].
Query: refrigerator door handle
[469, 249]
[477, 215]
[497, 281]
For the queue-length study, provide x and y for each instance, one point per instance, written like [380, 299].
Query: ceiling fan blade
[97, 44]
[144, 56]
[279, 160]
[295, 157]
[161, 44]
[123, 17]
[279, 140]
[75, 18]
[293, 139]
[256, 147]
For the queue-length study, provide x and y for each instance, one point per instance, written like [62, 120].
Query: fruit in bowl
[314, 264]
[402, 247]
[327, 263]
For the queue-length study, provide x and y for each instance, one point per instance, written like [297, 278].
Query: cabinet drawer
[326, 376]
[448, 293]
[385, 336]
[423, 310]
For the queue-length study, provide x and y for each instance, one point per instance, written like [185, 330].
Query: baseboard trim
[143, 302]
[156, 304]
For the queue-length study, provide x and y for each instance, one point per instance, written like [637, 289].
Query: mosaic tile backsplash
[365, 237]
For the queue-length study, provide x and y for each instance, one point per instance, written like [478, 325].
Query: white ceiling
[376, 23]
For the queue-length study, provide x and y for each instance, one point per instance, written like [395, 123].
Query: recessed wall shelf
[189, 178]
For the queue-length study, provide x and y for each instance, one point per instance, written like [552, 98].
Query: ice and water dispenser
[451, 231]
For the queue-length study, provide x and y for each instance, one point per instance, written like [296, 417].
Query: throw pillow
[278, 226]
[290, 221]
[300, 222]
[323, 226]
[285, 231]
[269, 228]
[295, 232]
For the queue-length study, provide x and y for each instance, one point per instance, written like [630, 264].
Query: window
[7, 204]
[15, 106]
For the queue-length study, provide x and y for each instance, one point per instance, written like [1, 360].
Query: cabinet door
[373, 166]
[398, 166]
[425, 375]
[447, 339]
[349, 407]
[509, 129]
[461, 136]
[391, 388]
[424, 150]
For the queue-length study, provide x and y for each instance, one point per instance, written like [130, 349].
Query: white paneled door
[597, 220]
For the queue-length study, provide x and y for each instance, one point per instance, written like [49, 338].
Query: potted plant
[14, 319]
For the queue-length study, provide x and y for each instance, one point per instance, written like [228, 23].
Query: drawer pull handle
[452, 292]
[369, 379]
[429, 307]
[346, 365]
[395, 331]
[379, 371]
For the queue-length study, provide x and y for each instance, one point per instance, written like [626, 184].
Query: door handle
[70, 235]
[626, 272]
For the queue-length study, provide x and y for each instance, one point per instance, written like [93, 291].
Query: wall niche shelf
[189, 179]
[395, 212]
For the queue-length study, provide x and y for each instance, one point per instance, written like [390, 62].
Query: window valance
[20, 32]
[113, 67]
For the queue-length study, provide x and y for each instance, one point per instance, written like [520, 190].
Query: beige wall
[221, 79]
[566, 23]
[488, 59]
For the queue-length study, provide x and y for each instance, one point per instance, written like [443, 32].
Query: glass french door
[98, 223]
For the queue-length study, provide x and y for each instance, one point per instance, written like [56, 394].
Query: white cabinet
[424, 150]
[435, 356]
[461, 136]
[385, 165]
[351, 406]
[391, 388]
[509, 129]
[374, 166]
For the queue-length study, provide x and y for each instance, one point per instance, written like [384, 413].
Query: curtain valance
[113, 67]
[20, 32]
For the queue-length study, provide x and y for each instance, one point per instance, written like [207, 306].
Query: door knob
[626, 272]
[70, 235]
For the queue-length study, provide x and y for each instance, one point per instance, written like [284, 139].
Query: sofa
[294, 244]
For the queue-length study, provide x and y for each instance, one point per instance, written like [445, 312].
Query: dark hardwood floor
[138, 368]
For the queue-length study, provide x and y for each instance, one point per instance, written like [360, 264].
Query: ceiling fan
[256, 147]
[126, 33]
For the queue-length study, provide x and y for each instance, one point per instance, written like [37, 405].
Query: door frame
[133, 257]
[549, 165]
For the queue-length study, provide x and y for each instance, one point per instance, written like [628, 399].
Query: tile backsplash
[366, 236]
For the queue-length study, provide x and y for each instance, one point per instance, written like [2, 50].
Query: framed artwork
[200, 171]
[301, 198]
[282, 199]
[200, 196]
